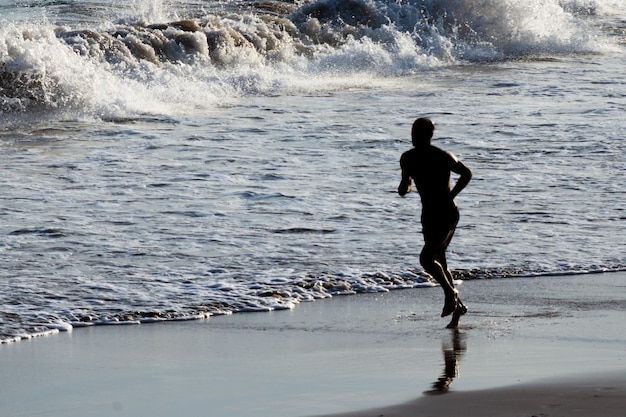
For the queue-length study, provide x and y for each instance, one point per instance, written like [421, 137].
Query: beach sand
[584, 396]
[545, 346]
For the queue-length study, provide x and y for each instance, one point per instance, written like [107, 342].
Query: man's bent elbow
[467, 175]
[467, 171]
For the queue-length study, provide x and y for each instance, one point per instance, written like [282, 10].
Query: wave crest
[276, 40]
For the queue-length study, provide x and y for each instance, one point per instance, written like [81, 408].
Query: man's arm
[465, 176]
[405, 186]
[405, 183]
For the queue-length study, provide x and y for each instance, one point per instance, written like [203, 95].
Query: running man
[430, 167]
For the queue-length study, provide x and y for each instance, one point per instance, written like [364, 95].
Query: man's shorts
[438, 225]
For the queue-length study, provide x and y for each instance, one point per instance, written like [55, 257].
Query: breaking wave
[140, 65]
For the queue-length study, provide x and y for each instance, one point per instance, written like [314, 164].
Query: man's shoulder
[442, 154]
[428, 153]
[437, 150]
[410, 154]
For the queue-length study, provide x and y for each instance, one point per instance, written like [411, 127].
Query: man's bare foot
[458, 312]
[450, 305]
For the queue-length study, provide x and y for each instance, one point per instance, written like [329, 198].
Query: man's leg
[428, 259]
[441, 258]
[460, 308]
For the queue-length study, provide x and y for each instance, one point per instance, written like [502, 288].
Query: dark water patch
[120, 222]
[272, 177]
[189, 213]
[506, 85]
[46, 232]
[251, 195]
[303, 230]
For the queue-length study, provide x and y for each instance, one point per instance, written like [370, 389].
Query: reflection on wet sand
[452, 349]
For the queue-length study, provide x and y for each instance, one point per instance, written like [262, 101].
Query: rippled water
[172, 185]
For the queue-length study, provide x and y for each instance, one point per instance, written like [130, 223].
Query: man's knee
[427, 260]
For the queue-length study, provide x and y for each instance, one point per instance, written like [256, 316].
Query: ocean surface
[166, 160]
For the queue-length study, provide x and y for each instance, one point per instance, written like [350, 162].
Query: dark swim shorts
[438, 225]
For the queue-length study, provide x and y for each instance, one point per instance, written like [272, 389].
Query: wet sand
[581, 396]
[546, 346]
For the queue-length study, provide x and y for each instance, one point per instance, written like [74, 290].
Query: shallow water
[260, 170]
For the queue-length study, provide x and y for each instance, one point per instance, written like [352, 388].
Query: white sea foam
[143, 63]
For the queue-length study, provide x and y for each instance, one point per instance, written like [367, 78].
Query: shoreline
[359, 352]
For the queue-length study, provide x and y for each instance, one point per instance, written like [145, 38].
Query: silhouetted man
[430, 167]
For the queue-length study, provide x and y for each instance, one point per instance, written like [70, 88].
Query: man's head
[422, 132]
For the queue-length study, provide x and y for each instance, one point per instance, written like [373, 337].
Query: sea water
[169, 160]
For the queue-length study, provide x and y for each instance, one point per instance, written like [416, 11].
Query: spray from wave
[138, 65]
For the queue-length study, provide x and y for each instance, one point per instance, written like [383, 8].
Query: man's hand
[404, 187]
